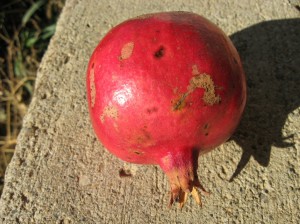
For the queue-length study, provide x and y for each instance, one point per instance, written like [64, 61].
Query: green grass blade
[48, 31]
[31, 11]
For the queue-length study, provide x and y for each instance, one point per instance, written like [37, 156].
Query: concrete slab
[60, 173]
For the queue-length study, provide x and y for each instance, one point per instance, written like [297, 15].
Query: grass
[26, 27]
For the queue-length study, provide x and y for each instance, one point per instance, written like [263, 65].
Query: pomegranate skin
[164, 88]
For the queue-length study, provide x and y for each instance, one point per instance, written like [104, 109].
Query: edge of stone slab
[28, 118]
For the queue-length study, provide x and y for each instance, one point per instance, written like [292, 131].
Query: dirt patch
[124, 173]
[92, 86]
[109, 111]
[126, 51]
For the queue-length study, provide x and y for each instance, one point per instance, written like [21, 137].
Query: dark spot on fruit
[206, 134]
[124, 173]
[152, 110]
[159, 53]
[93, 65]
[137, 152]
[206, 126]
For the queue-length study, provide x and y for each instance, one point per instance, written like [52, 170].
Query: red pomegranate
[164, 88]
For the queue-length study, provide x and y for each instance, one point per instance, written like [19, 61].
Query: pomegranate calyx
[181, 169]
[180, 194]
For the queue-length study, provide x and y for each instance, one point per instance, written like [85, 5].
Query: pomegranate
[164, 88]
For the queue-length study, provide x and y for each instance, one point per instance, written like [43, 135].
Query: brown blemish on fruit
[206, 126]
[138, 152]
[143, 138]
[126, 50]
[109, 111]
[135, 151]
[206, 129]
[92, 86]
[205, 81]
[198, 80]
[152, 110]
[179, 103]
[160, 52]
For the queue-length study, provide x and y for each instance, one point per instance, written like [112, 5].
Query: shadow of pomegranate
[270, 52]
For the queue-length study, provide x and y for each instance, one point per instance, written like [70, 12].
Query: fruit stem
[181, 169]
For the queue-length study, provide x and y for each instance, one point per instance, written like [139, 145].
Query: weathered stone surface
[60, 173]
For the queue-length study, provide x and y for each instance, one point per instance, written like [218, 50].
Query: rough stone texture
[60, 173]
